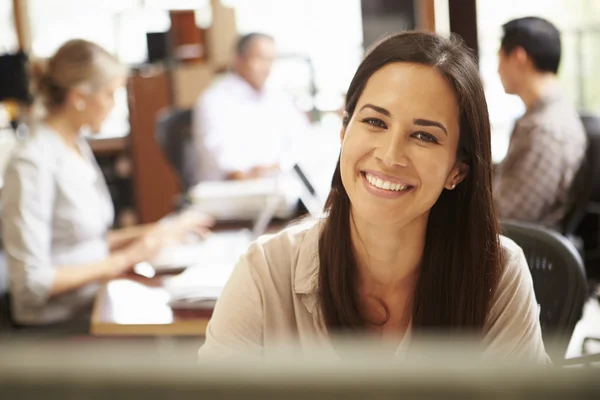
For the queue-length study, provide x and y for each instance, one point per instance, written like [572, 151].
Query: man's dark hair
[538, 37]
[244, 42]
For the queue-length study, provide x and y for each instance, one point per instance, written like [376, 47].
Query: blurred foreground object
[446, 368]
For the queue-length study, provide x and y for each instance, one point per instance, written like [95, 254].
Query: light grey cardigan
[56, 210]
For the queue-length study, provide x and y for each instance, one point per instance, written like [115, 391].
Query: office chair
[592, 126]
[5, 320]
[6, 325]
[581, 191]
[558, 279]
[174, 136]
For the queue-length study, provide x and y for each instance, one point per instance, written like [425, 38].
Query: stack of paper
[200, 286]
[197, 299]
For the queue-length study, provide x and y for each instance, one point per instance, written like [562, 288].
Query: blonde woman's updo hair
[77, 64]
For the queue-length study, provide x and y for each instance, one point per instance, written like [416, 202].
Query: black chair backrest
[586, 184]
[591, 123]
[6, 325]
[558, 278]
[174, 136]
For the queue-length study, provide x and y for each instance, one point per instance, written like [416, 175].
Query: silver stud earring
[453, 186]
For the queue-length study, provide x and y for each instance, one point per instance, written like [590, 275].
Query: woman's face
[99, 105]
[399, 147]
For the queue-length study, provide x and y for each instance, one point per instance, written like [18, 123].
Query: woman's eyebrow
[378, 109]
[428, 122]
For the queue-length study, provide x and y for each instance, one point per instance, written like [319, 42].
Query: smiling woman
[409, 243]
[412, 140]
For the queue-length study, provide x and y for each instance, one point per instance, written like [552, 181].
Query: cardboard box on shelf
[221, 36]
[187, 40]
[189, 80]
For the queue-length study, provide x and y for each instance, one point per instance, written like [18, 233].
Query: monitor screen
[14, 79]
[158, 46]
[309, 196]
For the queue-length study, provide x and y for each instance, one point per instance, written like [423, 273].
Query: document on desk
[210, 264]
[198, 287]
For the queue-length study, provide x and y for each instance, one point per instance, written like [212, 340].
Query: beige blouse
[271, 298]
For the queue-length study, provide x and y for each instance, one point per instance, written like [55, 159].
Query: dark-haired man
[241, 127]
[533, 183]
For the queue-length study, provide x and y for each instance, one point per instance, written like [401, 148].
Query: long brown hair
[461, 259]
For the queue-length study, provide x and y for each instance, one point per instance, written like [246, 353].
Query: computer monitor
[158, 46]
[308, 194]
[14, 78]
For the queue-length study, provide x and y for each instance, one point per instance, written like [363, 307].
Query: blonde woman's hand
[187, 223]
[143, 249]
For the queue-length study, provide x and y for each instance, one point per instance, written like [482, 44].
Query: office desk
[138, 306]
[109, 145]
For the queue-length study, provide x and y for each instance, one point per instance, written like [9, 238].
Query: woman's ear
[342, 134]
[76, 99]
[457, 175]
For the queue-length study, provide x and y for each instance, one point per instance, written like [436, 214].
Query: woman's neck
[388, 256]
[65, 127]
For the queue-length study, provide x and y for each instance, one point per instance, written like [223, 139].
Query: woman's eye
[377, 123]
[425, 137]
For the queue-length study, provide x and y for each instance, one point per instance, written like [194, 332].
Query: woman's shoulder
[293, 235]
[38, 148]
[289, 255]
[510, 249]
[513, 258]
[515, 282]
[512, 326]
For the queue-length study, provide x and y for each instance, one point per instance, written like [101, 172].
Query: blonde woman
[57, 209]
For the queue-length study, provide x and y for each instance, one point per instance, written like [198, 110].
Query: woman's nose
[392, 151]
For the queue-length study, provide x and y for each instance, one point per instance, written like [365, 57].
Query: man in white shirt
[242, 128]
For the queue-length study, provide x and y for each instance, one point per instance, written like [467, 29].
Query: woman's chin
[377, 216]
[392, 217]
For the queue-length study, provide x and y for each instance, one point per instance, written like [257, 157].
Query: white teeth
[386, 185]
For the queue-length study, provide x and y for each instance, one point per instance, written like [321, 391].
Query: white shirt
[56, 211]
[236, 128]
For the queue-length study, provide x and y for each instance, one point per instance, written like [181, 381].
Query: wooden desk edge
[187, 328]
[109, 145]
